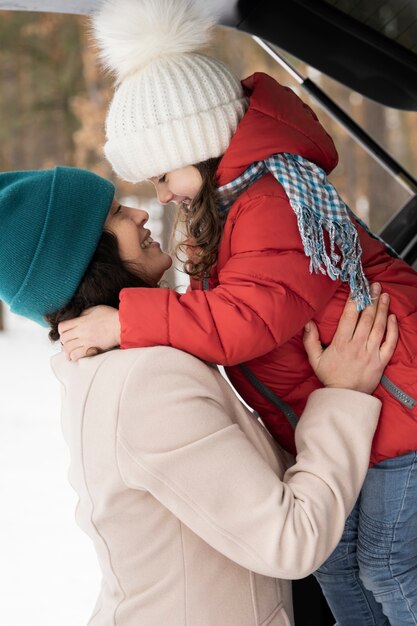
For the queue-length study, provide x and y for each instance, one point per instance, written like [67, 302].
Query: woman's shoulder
[155, 358]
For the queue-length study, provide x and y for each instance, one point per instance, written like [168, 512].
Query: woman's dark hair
[203, 224]
[102, 282]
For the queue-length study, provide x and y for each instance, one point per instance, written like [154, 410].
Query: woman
[185, 496]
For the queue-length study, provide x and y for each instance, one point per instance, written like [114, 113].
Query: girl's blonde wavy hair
[201, 225]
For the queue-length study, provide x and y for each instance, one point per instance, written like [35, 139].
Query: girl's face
[136, 245]
[179, 186]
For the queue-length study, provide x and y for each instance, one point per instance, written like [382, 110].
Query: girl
[274, 247]
[180, 489]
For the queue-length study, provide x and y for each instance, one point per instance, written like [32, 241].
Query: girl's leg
[349, 601]
[387, 537]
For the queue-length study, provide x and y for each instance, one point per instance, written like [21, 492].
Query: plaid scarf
[317, 206]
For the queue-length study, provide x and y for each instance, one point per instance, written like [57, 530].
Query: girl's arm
[265, 296]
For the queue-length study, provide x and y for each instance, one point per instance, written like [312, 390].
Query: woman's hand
[96, 330]
[358, 354]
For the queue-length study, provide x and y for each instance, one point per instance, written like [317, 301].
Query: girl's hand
[358, 354]
[96, 330]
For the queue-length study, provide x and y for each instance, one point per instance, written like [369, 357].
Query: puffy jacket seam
[216, 328]
[248, 197]
[247, 305]
[283, 284]
[410, 355]
[267, 194]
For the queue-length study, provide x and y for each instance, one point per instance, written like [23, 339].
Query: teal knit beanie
[50, 225]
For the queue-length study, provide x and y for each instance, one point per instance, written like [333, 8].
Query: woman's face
[136, 245]
[179, 186]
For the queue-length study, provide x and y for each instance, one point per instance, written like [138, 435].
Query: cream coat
[186, 499]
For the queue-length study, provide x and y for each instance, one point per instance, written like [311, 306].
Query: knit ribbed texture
[175, 112]
[50, 224]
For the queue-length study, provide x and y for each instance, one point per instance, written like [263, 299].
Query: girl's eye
[162, 178]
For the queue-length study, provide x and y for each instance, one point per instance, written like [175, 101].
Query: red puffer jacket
[262, 294]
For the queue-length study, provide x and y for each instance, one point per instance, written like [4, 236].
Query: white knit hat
[173, 106]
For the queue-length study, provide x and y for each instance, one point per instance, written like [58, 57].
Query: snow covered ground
[48, 571]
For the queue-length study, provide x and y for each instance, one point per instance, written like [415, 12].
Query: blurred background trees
[54, 98]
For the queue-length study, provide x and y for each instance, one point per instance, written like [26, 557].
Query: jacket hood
[277, 120]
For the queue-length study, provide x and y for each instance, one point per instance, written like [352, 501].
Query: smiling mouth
[147, 241]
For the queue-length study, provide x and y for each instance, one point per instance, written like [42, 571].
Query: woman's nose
[139, 216]
[142, 216]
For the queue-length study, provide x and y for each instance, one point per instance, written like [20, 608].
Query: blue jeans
[371, 577]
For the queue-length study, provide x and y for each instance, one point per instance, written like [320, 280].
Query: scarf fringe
[318, 208]
[311, 227]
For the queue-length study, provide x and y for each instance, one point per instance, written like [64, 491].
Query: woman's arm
[265, 296]
[183, 436]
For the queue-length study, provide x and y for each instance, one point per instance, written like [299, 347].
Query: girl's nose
[164, 196]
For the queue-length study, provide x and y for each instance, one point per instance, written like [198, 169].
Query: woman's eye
[162, 178]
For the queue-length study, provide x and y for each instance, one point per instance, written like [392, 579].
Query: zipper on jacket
[398, 393]
[285, 408]
[267, 393]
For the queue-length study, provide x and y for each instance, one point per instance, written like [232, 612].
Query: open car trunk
[368, 45]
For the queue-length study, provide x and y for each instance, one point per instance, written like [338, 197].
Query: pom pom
[133, 33]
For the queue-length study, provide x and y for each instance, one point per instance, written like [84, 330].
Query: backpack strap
[267, 393]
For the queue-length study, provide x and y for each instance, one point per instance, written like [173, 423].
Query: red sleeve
[265, 295]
